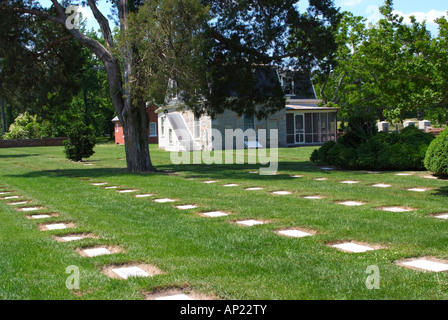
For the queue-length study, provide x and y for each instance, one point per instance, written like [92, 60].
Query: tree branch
[103, 22]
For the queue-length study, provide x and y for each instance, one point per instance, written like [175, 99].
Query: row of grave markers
[116, 272]
[424, 263]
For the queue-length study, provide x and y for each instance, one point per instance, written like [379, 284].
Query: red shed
[152, 130]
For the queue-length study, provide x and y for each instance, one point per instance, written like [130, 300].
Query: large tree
[392, 70]
[236, 36]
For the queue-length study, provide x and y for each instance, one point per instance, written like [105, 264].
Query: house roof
[115, 119]
[306, 104]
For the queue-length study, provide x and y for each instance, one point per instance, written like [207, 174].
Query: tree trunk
[135, 129]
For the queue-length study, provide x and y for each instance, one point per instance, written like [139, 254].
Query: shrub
[25, 126]
[383, 151]
[436, 159]
[80, 142]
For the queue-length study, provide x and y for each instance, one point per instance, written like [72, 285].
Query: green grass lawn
[214, 255]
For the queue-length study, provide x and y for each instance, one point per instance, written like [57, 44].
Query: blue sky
[422, 9]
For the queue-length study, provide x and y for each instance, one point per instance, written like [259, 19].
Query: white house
[301, 122]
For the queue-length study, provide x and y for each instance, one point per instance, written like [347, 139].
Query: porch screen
[320, 127]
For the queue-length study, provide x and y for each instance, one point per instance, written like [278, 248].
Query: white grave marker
[96, 252]
[250, 223]
[127, 272]
[352, 247]
[427, 265]
[214, 214]
[294, 233]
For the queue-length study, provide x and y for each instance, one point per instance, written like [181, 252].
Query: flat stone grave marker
[28, 209]
[350, 182]
[127, 190]
[94, 252]
[214, 214]
[442, 216]
[281, 192]
[131, 270]
[210, 181]
[98, 183]
[320, 179]
[418, 189]
[403, 174]
[145, 195]
[56, 226]
[294, 233]
[313, 197]
[351, 203]
[352, 247]
[73, 237]
[230, 185]
[40, 216]
[396, 209]
[127, 272]
[425, 264]
[10, 197]
[5, 192]
[254, 188]
[111, 187]
[164, 200]
[250, 222]
[17, 203]
[186, 206]
[297, 176]
[381, 185]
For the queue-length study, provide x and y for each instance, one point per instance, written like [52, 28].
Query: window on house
[170, 137]
[197, 127]
[287, 86]
[116, 126]
[153, 129]
[249, 122]
[162, 126]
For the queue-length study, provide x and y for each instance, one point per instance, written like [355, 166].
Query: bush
[26, 126]
[436, 159]
[80, 142]
[383, 151]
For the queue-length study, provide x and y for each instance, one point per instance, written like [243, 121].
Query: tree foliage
[391, 69]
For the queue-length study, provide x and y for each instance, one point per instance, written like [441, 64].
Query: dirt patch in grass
[173, 291]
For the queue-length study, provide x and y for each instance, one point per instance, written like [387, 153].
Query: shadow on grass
[214, 171]
[442, 191]
[22, 155]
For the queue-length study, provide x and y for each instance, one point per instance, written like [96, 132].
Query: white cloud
[350, 3]
[429, 16]
[373, 14]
